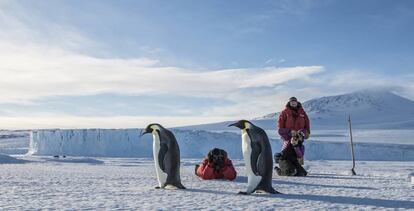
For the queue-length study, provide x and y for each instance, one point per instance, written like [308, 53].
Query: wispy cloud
[297, 8]
[34, 70]
[269, 61]
[56, 120]
[37, 71]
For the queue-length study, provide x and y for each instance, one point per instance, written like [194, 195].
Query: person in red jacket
[217, 165]
[294, 118]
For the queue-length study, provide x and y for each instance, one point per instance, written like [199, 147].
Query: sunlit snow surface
[96, 183]
[128, 183]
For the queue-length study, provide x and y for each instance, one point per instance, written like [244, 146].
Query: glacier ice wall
[193, 144]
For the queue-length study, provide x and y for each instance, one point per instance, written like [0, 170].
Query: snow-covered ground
[45, 182]
[128, 183]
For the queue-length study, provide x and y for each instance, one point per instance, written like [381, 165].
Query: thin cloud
[32, 72]
[273, 60]
[269, 61]
[281, 60]
[46, 120]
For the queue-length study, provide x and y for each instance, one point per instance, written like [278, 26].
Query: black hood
[295, 109]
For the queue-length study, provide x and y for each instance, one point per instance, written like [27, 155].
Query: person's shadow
[322, 185]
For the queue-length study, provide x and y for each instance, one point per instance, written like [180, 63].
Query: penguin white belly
[252, 179]
[161, 176]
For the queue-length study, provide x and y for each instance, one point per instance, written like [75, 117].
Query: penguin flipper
[161, 156]
[256, 150]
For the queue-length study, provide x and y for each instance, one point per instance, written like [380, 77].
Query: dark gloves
[210, 160]
[196, 168]
[210, 157]
[302, 134]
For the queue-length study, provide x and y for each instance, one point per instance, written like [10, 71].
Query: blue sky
[126, 63]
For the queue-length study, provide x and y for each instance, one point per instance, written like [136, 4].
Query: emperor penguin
[257, 154]
[166, 156]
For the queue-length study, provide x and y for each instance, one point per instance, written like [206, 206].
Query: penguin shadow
[243, 179]
[133, 163]
[83, 160]
[278, 182]
[332, 176]
[232, 193]
[209, 191]
[240, 179]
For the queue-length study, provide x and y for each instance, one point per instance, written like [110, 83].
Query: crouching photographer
[217, 165]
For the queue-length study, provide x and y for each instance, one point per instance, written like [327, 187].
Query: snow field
[128, 183]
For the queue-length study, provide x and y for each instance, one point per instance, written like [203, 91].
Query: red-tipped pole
[352, 146]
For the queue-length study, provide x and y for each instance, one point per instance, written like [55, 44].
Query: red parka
[294, 119]
[206, 171]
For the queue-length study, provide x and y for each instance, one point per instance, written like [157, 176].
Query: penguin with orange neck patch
[166, 156]
[257, 154]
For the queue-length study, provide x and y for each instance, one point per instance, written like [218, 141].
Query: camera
[216, 157]
[297, 138]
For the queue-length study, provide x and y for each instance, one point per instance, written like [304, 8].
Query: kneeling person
[289, 158]
[217, 165]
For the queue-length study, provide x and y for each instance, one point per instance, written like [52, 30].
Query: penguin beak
[237, 124]
[144, 131]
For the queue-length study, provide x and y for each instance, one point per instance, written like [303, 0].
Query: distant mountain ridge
[370, 109]
[370, 100]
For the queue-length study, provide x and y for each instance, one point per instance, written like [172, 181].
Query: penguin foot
[243, 193]
[170, 187]
[261, 192]
[182, 187]
[157, 187]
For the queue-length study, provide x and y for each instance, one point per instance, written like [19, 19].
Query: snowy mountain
[368, 109]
